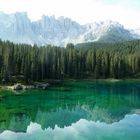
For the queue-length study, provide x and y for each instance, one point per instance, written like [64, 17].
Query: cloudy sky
[126, 12]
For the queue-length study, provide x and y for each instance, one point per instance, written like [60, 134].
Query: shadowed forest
[88, 60]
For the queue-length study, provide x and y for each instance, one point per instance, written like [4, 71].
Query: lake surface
[72, 111]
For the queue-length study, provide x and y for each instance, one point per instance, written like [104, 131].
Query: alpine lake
[81, 110]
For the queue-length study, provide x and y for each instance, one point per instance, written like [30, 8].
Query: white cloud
[83, 11]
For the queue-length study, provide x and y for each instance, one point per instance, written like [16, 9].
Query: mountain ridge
[18, 28]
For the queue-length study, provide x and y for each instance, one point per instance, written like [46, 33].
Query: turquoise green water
[72, 111]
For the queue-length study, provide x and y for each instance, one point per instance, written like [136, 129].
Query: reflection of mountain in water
[128, 128]
[104, 103]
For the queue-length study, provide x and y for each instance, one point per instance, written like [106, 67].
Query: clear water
[72, 111]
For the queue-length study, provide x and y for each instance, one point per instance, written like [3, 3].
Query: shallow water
[72, 111]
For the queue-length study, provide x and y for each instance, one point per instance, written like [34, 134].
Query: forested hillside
[90, 60]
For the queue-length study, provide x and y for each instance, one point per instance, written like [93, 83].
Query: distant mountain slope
[136, 33]
[107, 31]
[18, 28]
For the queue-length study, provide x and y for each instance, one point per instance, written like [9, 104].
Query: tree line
[87, 60]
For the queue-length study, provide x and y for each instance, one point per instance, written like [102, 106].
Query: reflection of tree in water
[62, 107]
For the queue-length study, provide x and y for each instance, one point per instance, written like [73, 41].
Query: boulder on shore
[22, 87]
[18, 87]
[25, 87]
[41, 85]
